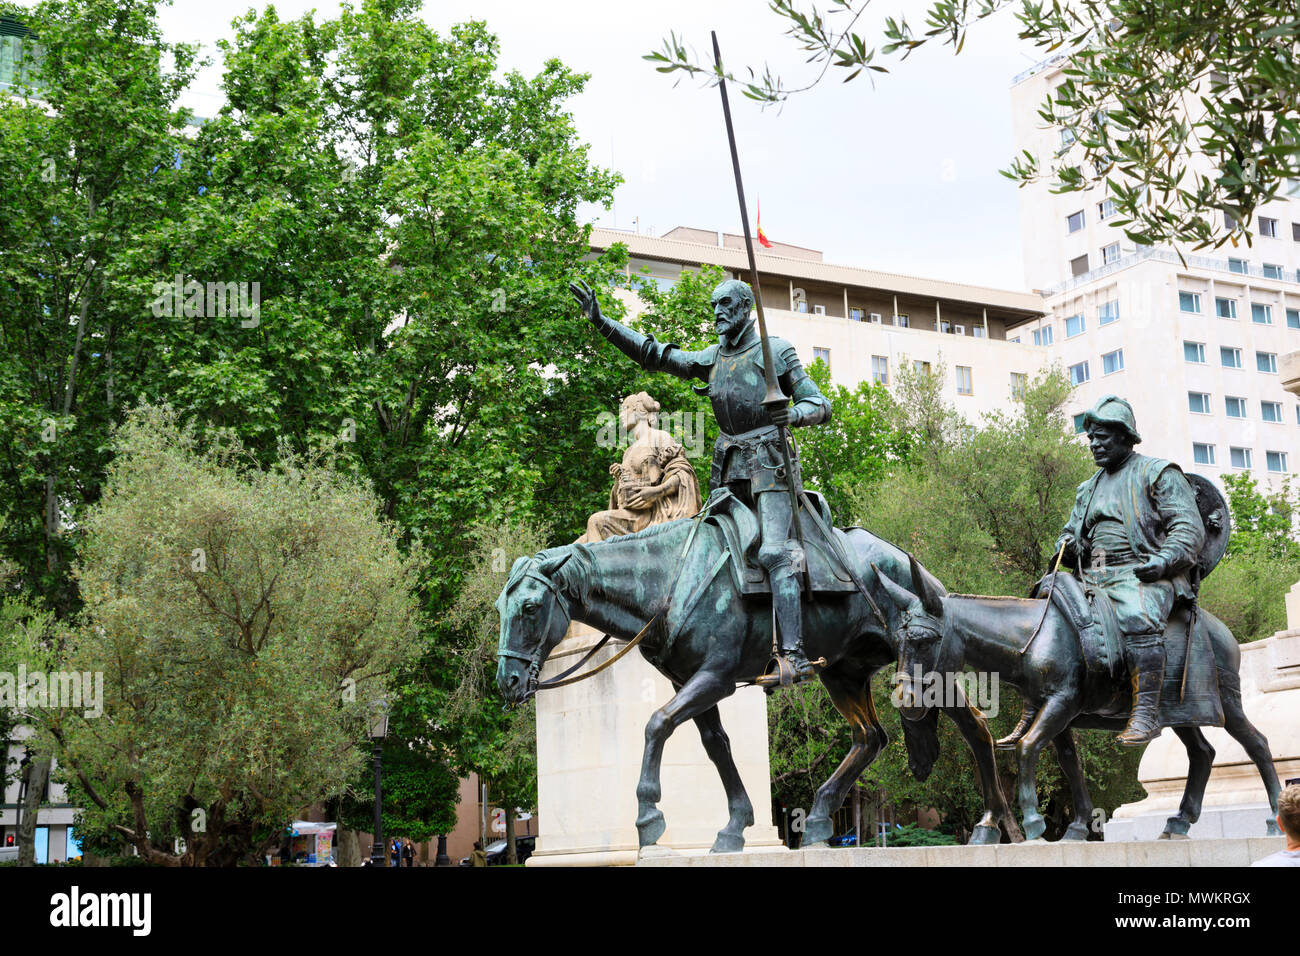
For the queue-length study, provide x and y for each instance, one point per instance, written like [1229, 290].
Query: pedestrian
[408, 852]
[397, 853]
[478, 857]
[1288, 818]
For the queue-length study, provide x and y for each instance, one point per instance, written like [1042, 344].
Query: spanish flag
[762, 239]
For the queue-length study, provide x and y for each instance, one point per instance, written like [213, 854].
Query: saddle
[1190, 692]
[739, 527]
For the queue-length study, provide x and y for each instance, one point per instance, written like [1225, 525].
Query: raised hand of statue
[587, 299]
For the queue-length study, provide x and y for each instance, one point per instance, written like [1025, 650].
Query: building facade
[866, 325]
[1194, 343]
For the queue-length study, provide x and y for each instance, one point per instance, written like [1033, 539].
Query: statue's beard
[733, 330]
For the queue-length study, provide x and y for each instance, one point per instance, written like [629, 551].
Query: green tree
[241, 619]
[1181, 112]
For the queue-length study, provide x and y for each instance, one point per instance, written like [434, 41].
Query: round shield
[1217, 520]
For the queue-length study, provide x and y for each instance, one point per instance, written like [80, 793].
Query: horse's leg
[1236, 723]
[1200, 760]
[1068, 757]
[996, 809]
[731, 838]
[1054, 717]
[851, 695]
[702, 691]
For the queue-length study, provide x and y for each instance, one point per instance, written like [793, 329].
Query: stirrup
[781, 673]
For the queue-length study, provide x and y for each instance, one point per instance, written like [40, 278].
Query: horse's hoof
[651, 827]
[1272, 829]
[1173, 836]
[1176, 829]
[1035, 827]
[728, 843]
[984, 836]
[816, 831]
[1076, 831]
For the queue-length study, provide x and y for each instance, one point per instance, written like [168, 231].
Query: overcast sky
[902, 177]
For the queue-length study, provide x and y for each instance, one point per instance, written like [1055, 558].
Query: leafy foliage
[1181, 112]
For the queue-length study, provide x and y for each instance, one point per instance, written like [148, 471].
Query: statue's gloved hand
[587, 299]
[781, 416]
[1070, 556]
[1153, 570]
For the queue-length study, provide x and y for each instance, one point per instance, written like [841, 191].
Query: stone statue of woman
[655, 482]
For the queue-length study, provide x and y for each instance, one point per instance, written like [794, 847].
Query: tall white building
[1194, 347]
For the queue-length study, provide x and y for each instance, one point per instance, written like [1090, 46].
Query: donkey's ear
[901, 596]
[930, 598]
[553, 562]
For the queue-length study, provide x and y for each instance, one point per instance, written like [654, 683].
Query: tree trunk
[512, 854]
[38, 772]
[349, 848]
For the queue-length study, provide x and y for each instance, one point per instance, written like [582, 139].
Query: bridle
[534, 659]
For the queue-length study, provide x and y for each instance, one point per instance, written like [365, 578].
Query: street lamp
[377, 729]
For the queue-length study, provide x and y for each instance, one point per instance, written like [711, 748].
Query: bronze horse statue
[707, 638]
[1031, 645]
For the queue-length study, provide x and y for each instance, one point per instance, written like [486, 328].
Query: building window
[1043, 336]
[1108, 312]
[1240, 457]
[1016, 340]
[1229, 221]
[1276, 461]
[1079, 373]
[1268, 227]
[1202, 454]
[1261, 314]
[822, 355]
[1238, 265]
[965, 385]
[1194, 352]
[1078, 423]
[1067, 138]
[1236, 407]
[880, 369]
[801, 306]
[1109, 253]
[1074, 325]
[1018, 384]
[1266, 362]
[1293, 318]
[1105, 209]
[1271, 411]
[1112, 362]
[874, 317]
[857, 315]
[1295, 231]
[1225, 308]
[1079, 266]
[1189, 302]
[902, 321]
[1074, 221]
[1229, 357]
[977, 331]
[921, 368]
[944, 326]
[1272, 271]
[1198, 402]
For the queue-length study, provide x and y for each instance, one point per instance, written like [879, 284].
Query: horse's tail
[922, 740]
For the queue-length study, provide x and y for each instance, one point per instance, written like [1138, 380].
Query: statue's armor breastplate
[736, 389]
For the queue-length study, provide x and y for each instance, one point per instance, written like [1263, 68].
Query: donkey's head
[534, 618]
[922, 651]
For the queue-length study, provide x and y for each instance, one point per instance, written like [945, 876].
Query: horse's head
[922, 651]
[534, 618]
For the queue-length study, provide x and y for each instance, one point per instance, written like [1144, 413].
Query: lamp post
[377, 728]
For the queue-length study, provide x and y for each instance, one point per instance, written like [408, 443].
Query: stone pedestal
[1235, 803]
[590, 739]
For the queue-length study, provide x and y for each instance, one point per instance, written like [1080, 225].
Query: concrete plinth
[1197, 853]
[1235, 803]
[590, 739]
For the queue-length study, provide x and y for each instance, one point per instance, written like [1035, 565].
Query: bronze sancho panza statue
[747, 457]
[1135, 533]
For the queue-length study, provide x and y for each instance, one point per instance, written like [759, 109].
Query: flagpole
[774, 398]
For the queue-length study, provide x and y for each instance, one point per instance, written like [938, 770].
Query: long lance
[774, 398]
